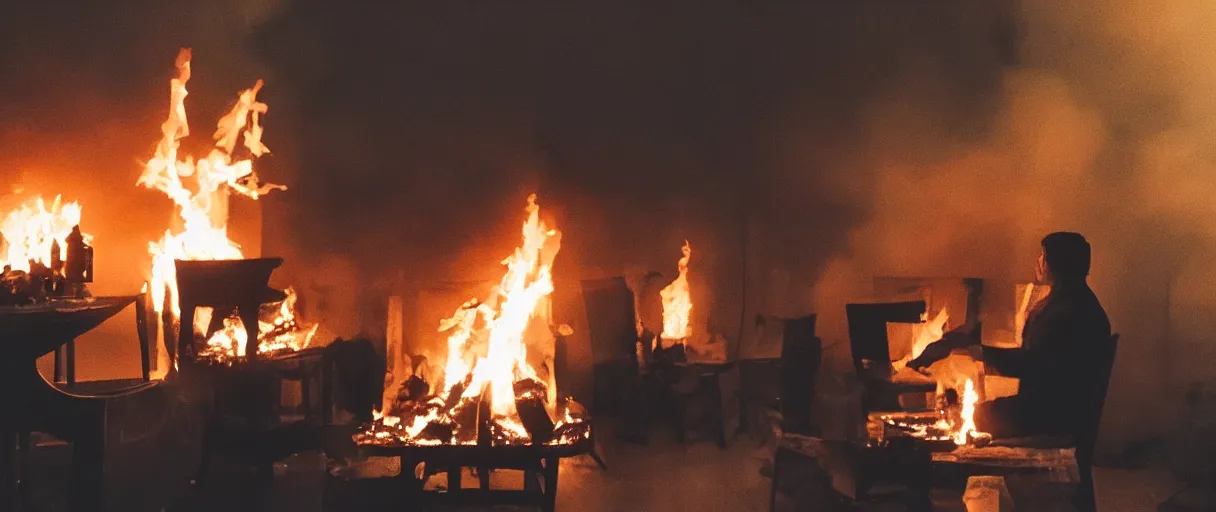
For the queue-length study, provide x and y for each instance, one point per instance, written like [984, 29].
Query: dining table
[28, 332]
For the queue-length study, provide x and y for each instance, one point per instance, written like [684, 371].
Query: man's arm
[1011, 362]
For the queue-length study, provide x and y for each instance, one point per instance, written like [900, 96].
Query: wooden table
[27, 333]
[1040, 479]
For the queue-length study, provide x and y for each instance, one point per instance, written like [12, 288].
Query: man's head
[1065, 257]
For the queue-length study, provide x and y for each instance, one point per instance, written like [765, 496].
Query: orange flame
[30, 231]
[278, 331]
[502, 319]
[926, 333]
[677, 302]
[963, 433]
[202, 207]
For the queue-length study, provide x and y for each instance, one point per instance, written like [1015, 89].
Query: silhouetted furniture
[613, 331]
[1089, 438]
[350, 490]
[242, 401]
[871, 351]
[33, 404]
[561, 371]
[224, 285]
[700, 400]
[797, 474]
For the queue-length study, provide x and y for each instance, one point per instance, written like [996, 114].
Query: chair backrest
[610, 319]
[868, 329]
[1088, 438]
[801, 356]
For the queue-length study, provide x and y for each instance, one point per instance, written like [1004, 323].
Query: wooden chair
[871, 351]
[1088, 438]
[77, 412]
[612, 326]
[796, 459]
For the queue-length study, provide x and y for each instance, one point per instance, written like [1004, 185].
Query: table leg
[550, 471]
[409, 486]
[8, 470]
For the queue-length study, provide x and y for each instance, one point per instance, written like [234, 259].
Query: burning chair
[245, 384]
[490, 408]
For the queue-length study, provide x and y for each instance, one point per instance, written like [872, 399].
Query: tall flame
[202, 207]
[677, 303]
[29, 232]
[964, 432]
[503, 320]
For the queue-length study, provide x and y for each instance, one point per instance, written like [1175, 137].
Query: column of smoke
[1107, 127]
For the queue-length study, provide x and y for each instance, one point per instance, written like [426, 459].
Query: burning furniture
[201, 234]
[871, 351]
[224, 330]
[243, 414]
[677, 310]
[490, 408]
[43, 254]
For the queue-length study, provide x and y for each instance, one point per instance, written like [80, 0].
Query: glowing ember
[31, 231]
[489, 392]
[677, 303]
[202, 200]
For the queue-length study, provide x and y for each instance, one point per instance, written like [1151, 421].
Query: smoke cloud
[802, 148]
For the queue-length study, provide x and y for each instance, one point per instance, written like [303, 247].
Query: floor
[664, 476]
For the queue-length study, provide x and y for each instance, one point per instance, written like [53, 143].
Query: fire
[945, 425]
[32, 232]
[202, 200]
[927, 333]
[966, 431]
[677, 303]
[487, 366]
[527, 282]
[278, 331]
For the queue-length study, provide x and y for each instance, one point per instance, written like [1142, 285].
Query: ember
[203, 211]
[489, 394]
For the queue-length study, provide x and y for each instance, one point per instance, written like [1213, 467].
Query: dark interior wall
[834, 141]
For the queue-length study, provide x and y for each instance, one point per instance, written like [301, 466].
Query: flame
[927, 332]
[278, 331]
[202, 201]
[487, 346]
[963, 433]
[677, 303]
[527, 281]
[29, 233]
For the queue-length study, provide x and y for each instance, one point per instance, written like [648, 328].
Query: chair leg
[88, 461]
[9, 477]
[25, 450]
[772, 498]
[550, 472]
[207, 446]
[1084, 499]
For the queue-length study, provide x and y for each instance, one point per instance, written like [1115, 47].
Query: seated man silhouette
[1061, 374]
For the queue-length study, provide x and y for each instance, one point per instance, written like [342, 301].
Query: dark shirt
[1063, 368]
